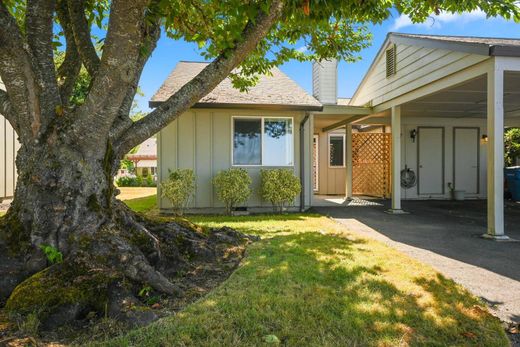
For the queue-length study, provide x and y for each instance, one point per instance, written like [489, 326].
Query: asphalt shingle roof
[274, 90]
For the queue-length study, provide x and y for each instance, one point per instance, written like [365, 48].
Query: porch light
[484, 139]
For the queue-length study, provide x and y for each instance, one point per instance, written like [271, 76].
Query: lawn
[310, 282]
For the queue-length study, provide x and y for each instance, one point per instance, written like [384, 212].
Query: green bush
[279, 187]
[179, 189]
[232, 187]
[512, 146]
[128, 181]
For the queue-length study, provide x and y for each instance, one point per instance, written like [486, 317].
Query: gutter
[302, 161]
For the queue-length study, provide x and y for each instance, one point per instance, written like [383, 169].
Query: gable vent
[391, 61]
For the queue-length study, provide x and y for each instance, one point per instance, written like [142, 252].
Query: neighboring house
[449, 97]
[9, 145]
[145, 158]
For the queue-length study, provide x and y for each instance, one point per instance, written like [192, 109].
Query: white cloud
[302, 49]
[437, 21]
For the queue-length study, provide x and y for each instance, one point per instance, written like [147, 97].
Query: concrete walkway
[445, 234]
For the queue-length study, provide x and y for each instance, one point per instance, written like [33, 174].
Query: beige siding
[416, 67]
[8, 147]
[201, 140]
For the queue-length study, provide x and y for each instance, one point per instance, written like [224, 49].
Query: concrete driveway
[446, 235]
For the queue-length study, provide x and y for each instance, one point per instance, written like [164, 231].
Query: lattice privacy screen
[371, 164]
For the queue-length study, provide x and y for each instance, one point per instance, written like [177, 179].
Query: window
[336, 150]
[391, 61]
[262, 141]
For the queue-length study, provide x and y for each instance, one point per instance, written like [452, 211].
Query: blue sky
[169, 52]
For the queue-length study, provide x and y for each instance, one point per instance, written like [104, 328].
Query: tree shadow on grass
[310, 289]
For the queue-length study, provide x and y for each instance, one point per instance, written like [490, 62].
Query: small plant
[232, 187]
[30, 325]
[54, 256]
[279, 187]
[179, 189]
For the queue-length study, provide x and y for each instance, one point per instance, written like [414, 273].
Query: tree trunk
[67, 201]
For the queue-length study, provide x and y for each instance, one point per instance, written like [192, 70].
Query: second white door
[465, 159]
[430, 161]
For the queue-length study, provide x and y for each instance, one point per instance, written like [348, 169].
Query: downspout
[302, 161]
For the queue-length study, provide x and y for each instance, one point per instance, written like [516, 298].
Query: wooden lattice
[371, 164]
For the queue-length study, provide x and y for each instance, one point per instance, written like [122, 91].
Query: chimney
[325, 81]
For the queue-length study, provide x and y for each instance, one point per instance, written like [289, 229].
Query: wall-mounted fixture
[484, 139]
[413, 134]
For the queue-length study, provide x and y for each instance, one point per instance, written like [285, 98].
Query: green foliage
[81, 88]
[54, 256]
[179, 189]
[511, 146]
[127, 165]
[138, 181]
[232, 187]
[279, 187]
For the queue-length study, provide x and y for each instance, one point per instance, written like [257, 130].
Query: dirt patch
[123, 305]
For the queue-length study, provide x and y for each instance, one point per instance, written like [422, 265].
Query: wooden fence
[371, 164]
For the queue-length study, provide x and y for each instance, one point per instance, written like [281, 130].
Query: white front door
[466, 159]
[430, 160]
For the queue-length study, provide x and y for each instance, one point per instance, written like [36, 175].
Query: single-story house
[145, 158]
[427, 118]
[9, 145]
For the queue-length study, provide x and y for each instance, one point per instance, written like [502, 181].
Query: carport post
[495, 153]
[396, 160]
[348, 140]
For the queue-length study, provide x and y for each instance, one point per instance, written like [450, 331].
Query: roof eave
[274, 107]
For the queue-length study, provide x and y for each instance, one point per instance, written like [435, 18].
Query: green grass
[309, 282]
[144, 204]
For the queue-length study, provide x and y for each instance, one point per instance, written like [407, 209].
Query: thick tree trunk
[67, 201]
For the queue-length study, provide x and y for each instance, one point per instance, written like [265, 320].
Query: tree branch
[201, 84]
[38, 26]
[18, 76]
[69, 69]
[125, 52]
[81, 31]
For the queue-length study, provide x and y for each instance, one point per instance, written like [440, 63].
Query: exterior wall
[416, 66]
[331, 180]
[9, 145]
[325, 81]
[409, 150]
[201, 140]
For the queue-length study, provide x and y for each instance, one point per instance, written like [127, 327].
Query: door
[466, 159]
[315, 162]
[430, 160]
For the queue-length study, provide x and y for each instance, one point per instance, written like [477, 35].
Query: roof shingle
[275, 90]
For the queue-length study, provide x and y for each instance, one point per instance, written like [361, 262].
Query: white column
[396, 159]
[495, 154]
[348, 164]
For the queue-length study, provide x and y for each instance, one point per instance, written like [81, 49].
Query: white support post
[348, 164]
[396, 160]
[495, 154]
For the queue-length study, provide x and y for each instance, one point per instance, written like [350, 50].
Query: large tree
[71, 147]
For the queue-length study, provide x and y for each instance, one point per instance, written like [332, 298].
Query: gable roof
[146, 150]
[276, 91]
[491, 46]
[488, 46]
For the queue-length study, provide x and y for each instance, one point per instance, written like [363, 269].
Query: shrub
[232, 187]
[131, 181]
[279, 187]
[179, 189]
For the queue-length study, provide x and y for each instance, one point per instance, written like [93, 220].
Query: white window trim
[328, 151]
[261, 140]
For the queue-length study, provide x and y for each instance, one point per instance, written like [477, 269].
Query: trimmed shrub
[132, 181]
[279, 187]
[179, 189]
[232, 187]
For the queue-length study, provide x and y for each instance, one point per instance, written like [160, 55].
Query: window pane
[247, 149]
[278, 142]
[336, 150]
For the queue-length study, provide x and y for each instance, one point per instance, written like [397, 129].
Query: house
[428, 117]
[9, 145]
[145, 158]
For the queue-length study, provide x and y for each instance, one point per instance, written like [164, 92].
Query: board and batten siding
[9, 146]
[201, 140]
[416, 66]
